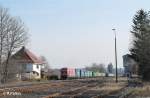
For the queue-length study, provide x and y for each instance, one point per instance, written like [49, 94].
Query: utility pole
[114, 30]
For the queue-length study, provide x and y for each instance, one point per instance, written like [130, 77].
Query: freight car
[67, 72]
[78, 73]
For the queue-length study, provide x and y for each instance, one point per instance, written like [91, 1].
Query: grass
[141, 91]
[111, 87]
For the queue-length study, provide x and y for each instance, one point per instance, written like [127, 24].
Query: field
[102, 87]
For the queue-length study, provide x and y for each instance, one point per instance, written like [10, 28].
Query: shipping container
[63, 73]
[98, 74]
[67, 73]
[78, 73]
[86, 73]
[70, 72]
[83, 73]
[95, 74]
[102, 74]
[90, 73]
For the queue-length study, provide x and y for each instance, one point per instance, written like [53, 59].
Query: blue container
[86, 73]
[78, 73]
[83, 73]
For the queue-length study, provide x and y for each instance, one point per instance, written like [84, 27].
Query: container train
[78, 73]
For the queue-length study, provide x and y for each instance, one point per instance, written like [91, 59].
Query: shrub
[52, 77]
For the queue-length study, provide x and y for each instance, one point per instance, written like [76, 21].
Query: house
[130, 65]
[29, 65]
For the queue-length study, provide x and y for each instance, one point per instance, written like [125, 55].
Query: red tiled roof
[34, 58]
[29, 56]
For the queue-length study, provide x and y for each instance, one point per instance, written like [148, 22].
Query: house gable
[25, 56]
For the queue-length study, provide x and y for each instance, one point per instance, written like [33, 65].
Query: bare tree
[46, 63]
[13, 35]
[96, 67]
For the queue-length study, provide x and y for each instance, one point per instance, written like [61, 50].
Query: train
[78, 73]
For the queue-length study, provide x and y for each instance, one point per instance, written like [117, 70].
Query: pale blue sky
[75, 33]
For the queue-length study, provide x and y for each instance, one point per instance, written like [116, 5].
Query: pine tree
[141, 42]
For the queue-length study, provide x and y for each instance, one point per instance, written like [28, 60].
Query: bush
[52, 77]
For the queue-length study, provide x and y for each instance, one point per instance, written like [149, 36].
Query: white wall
[33, 67]
[37, 69]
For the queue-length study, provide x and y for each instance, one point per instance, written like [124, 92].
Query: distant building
[130, 65]
[50, 73]
[29, 63]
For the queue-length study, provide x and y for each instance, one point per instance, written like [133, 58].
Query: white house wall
[37, 70]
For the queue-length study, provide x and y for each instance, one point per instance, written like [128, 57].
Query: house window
[37, 66]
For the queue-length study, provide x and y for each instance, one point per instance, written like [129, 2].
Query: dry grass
[110, 88]
[142, 91]
[52, 95]
[113, 87]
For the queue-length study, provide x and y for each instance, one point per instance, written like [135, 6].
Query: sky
[77, 33]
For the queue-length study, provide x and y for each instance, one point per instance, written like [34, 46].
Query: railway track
[79, 88]
[78, 92]
[29, 88]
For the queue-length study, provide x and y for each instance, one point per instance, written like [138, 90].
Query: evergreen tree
[141, 42]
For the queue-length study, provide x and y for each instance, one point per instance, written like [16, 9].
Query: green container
[90, 73]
